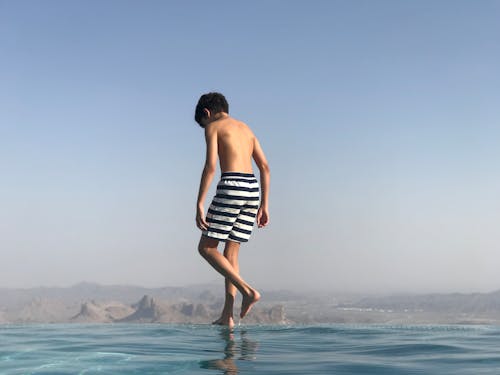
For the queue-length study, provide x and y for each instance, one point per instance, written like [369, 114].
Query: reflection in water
[243, 349]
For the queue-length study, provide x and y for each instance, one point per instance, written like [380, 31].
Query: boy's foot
[248, 302]
[224, 321]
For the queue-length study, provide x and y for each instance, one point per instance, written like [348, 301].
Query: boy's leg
[231, 250]
[208, 250]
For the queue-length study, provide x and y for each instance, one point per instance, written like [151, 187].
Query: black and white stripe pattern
[234, 207]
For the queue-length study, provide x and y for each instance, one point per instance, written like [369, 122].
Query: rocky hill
[94, 312]
[147, 310]
[93, 303]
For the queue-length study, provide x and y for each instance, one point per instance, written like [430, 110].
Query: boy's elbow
[209, 169]
[264, 169]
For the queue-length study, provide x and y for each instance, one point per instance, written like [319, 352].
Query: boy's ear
[206, 112]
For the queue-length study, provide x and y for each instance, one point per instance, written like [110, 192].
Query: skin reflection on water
[235, 350]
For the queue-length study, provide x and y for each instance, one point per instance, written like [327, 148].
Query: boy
[235, 206]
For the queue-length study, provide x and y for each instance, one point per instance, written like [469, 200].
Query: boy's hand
[262, 217]
[200, 219]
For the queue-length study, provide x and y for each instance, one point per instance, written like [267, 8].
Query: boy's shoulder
[228, 124]
[241, 124]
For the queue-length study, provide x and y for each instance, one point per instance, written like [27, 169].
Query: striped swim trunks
[233, 210]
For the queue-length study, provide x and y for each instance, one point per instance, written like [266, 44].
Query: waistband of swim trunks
[237, 175]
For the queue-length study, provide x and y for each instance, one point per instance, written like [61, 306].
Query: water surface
[205, 349]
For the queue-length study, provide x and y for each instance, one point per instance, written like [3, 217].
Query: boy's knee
[204, 249]
[206, 245]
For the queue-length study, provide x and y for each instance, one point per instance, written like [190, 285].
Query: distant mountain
[41, 310]
[146, 310]
[93, 312]
[149, 310]
[90, 312]
[58, 305]
[94, 303]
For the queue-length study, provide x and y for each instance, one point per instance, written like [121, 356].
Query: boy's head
[208, 105]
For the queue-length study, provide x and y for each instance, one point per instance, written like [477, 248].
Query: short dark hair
[215, 102]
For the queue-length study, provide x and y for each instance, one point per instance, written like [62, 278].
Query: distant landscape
[94, 303]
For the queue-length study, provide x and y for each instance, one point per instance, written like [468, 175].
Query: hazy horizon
[380, 121]
[218, 283]
[267, 288]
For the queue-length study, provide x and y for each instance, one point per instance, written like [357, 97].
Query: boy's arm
[207, 175]
[265, 176]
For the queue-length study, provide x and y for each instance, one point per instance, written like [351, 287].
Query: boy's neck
[218, 116]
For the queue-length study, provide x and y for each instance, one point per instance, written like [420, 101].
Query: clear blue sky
[380, 120]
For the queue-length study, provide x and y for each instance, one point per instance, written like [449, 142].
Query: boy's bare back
[236, 144]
